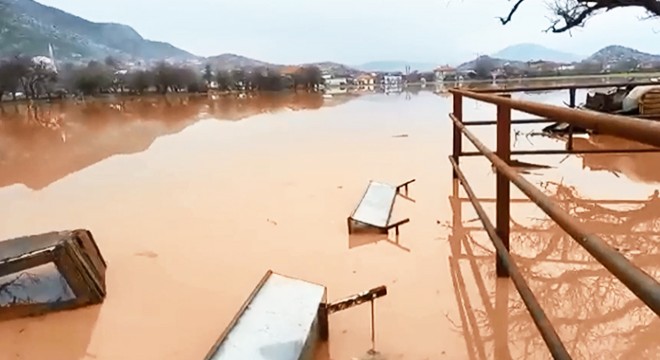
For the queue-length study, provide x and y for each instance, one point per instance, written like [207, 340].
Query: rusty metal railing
[645, 287]
[571, 87]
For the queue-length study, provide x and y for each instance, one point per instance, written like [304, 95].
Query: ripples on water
[217, 191]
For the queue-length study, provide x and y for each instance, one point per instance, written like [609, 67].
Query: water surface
[192, 200]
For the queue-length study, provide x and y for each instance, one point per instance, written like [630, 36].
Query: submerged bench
[283, 319]
[50, 272]
[375, 207]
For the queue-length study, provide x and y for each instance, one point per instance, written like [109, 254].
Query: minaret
[52, 56]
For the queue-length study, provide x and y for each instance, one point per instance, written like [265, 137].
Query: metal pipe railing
[571, 152]
[639, 282]
[644, 131]
[539, 317]
[564, 87]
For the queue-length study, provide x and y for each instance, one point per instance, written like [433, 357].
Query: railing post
[571, 104]
[458, 135]
[503, 185]
[501, 321]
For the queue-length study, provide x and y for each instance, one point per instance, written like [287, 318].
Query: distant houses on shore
[365, 79]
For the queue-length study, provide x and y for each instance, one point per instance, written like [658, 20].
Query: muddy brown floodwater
[191, 200]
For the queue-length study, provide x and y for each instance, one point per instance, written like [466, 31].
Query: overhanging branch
[568, 14]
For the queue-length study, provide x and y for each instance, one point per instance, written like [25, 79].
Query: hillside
[335, 68]
[492, 63]
[27, 27]
[393, 66]
[531, 52]
[233, 61]
[617, 53]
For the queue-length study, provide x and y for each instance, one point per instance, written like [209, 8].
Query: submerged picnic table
[283, 319]
[375, 207]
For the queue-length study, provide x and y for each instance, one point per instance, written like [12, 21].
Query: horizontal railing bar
[563, 87]
[545, 231]
[641, 130]
[527, 259]
[589, 201]
[567, 152]
[647, 116]
[541, 321]
[518, 121]
[538, 121]
[642, 284]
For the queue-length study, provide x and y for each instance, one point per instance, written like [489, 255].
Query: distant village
[45, 77]
[487, 68]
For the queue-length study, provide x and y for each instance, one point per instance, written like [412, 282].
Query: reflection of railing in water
[639, 282]
[592, 312]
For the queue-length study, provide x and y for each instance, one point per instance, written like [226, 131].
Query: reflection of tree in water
[595, 315]
[43, 284]
[10, 287]
[41, 143]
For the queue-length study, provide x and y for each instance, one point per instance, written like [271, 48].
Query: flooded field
[192, 200]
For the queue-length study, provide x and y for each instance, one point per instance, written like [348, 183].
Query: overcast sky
[358, 31]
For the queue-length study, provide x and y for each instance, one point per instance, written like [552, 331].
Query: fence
[646, 288]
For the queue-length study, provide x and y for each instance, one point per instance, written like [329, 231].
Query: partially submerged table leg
[348, 303]
[373, 329]
[397, 224]
[405, 186]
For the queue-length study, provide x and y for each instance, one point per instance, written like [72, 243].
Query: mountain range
[530, 52]
[28, 27]
[616, 53]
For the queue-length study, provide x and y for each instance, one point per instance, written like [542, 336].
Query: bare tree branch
[506, 20]
[569, 14]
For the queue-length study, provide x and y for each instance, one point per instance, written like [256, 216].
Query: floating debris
[50, 272]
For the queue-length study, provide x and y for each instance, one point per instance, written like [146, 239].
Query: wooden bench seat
[375, 207]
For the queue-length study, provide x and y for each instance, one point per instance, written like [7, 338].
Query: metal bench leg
[324, 331]
[405, 186]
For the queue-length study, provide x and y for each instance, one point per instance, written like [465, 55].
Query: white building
[392, 79]
[337, 81]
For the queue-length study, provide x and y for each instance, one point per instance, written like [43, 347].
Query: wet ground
[192, 200]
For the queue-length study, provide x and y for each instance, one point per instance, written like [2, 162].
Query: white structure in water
[278, 322]
[45, 63]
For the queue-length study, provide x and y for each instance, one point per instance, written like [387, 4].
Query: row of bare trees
[20, 75]
[307, 77]
[484, 65]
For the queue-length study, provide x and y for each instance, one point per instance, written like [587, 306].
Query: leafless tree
[308, 77]
[483, 65]
[568, 14]
[140, 81]
[90, 80]
[9, 79]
